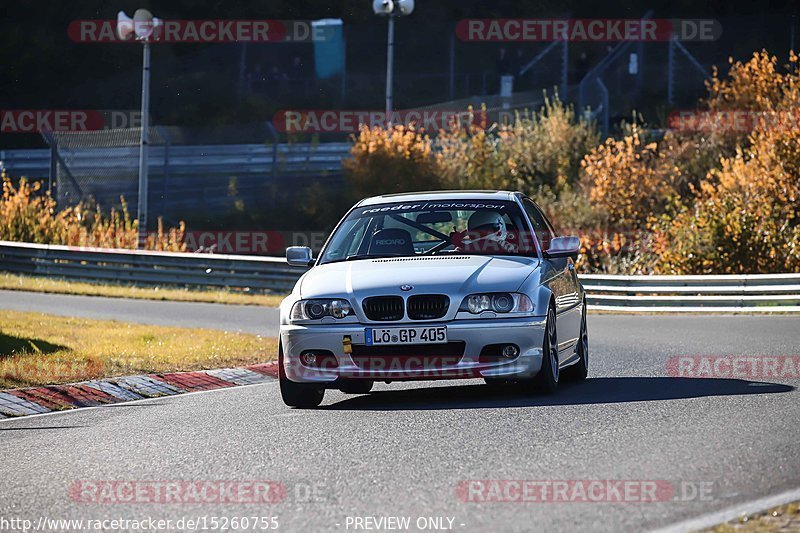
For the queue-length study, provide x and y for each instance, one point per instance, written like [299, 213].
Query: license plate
[416, 335]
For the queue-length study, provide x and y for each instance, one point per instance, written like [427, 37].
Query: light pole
[391, 9]
[141, 28]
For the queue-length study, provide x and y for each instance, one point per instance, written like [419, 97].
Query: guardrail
[148, 268]
[228, 159]
[714, 293]
[723, 293]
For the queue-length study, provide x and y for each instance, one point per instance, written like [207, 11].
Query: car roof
[437, 195]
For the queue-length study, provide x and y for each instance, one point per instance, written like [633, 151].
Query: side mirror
[564, 247]
[299, 256]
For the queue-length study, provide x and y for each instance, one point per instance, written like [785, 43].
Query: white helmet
[487, 224]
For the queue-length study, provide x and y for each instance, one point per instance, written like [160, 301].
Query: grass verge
[39, 349]
[781, 518]
[17, 282]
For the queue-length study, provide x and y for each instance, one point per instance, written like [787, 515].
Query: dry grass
[40, 349]
[16, 282]
[782, 518]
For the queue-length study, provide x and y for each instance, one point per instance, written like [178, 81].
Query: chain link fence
[102, 165]
[193, 174]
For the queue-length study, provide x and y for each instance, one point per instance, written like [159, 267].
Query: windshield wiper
[355, 257]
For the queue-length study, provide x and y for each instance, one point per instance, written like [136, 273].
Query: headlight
[316, 309]
[499, 302]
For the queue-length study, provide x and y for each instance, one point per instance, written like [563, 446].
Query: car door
[560, 277]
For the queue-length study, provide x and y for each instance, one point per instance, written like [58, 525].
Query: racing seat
[391, 241]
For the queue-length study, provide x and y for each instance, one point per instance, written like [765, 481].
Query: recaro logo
[389, 242]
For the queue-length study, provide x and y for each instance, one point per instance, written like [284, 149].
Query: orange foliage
[28, 215]
[387, 160]
[747, 216]
[629, 180]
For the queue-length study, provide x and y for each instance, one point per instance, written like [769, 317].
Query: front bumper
[527, 333]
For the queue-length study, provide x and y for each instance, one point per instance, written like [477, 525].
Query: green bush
[535, 149]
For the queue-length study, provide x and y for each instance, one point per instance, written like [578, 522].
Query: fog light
[319, 359]
[510, 351]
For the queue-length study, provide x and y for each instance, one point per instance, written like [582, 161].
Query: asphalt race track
[405, 449]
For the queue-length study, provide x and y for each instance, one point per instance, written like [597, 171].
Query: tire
[303, 395]
[580, 370]
[356, 386]
[546, 381]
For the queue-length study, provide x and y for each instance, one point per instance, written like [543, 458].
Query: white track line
[731, 513]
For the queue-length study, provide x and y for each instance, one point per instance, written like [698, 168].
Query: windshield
[485, 227]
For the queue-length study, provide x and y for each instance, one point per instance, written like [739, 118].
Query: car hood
[451, 275]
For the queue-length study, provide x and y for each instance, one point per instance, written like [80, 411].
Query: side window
[357, 238]
[347, 239]
[542, 228]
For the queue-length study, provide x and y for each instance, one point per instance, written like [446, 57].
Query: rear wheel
[546, 381]
[356, 386]
[580, 370]
[304, 395]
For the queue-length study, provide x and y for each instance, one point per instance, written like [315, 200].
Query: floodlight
[405, 6]
[383, 7]
[143, 24]
[124, 26]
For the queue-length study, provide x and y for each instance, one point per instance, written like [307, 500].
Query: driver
[486, 232]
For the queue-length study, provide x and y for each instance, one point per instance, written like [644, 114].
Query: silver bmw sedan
[430, 286]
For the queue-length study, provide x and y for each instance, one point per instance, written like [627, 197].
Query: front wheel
[303, 395]
[546, 381]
